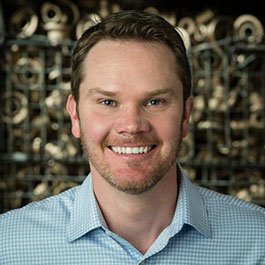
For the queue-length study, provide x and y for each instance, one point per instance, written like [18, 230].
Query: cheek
[95, 127]
[168, 128]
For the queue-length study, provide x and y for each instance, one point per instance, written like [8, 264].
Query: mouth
[132, 150]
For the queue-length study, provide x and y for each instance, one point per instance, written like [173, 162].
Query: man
[130, 105]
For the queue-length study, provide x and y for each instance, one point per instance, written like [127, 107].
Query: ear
[186, 116]
[71, 107]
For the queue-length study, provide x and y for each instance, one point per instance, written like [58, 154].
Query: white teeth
[131, 150]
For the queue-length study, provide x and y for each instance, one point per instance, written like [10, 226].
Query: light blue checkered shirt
[207, 228]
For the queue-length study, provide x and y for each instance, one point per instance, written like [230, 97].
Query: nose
[130, 121]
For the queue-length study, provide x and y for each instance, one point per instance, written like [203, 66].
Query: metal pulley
[186, 150]
[249, 28]
[52, 13]
[66, 147]
[219, 28]
[213, 57]
[18, 136]
[218, 101]
[27, 73]
[188, 24]
[185, 37]
[86, 22]
[205, 16]
[200, 33]
[61, 12]
[59, 19]
[56, 102]
[199, 108]
[201, 21]
[24, 22]
[15, 107]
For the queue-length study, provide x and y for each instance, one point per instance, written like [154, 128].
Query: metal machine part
[188, 24]
[62, 149]
[199, 108]
[52, 13]
[24, 22]
[28, 73]
[59, 19]
[15, 107]
[185, 36]
[200, 33]
[249, 28]
[205, 16]
[54, 103]
[219, 28]
[86, 22]
[213, 58]
[186, 150]
[62, 12]
[218, 101]
[227, 123]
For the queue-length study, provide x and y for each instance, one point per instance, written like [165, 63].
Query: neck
[132, 216]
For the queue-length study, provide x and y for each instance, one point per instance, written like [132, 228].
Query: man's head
[131, 25]
[129, 81]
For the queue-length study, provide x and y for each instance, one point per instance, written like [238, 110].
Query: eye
[154, 102]
[108, 102]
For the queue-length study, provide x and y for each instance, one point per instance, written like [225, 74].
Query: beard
[132, 185]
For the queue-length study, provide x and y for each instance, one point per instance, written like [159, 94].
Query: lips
[128, 150]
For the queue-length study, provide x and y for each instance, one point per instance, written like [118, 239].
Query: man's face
[131, 118]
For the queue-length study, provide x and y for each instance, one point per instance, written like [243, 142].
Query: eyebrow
[97, 90]
[157, 92]
[170, 91]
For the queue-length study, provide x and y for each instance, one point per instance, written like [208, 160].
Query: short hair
[131, 25]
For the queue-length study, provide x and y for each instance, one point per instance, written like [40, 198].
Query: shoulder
[214, 198]
[39, 227]
[230, 212]
[52, 211]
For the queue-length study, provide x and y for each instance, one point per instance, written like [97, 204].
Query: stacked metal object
[225, 148]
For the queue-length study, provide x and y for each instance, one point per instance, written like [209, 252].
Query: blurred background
[225, 42]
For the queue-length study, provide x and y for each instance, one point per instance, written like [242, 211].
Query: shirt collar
[191, 209]
[86, 215]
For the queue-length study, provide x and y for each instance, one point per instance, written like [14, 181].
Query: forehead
[123, 62]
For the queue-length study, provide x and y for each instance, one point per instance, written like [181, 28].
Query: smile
[136, 150]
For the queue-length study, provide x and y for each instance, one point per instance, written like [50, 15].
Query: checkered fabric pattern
[207, 228]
